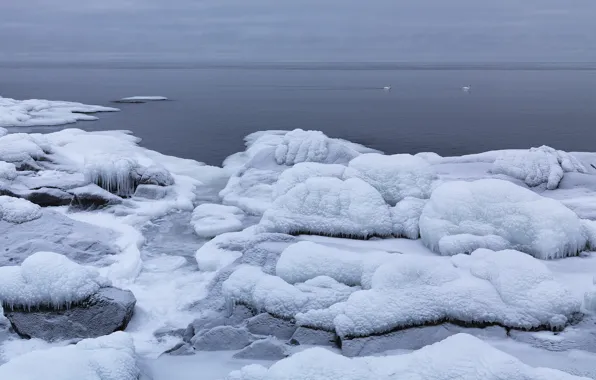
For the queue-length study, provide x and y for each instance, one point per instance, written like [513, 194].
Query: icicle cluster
[116, 174]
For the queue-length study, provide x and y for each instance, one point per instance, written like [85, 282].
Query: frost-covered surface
[312, 146]
[110, 357]
[32, 112]
[299, 173]
[47, 279]
[458, 357]
[463, 216]
[210, 219]
[536, 166]
[15, 210]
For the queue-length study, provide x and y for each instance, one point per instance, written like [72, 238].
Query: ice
[312, 146]
[536, 166]
[47, 279]
[496, 214]
[460, 356]
[396, 176]
[250, 190]
[16, 210]
[330, 206]
[303, 171]
[17, 147]
[508, 288]
[33, 112]
[209, 219]
[141, 99]
[110, 357]
[114, 173]
[406, 217]
[7, 171]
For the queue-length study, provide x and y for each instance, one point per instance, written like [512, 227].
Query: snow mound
[7, 171]
[406, 217]
[463, 216]
[303, 171]
[110, 357]
[312, 146]
[508, 288]
[396, 176]
[117, 174]
[47, 279]
[330, 206]
[460, 356]
[16, 210]
[209, 220]
[34, 112]
[537, 166]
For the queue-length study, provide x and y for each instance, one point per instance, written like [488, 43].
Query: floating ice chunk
[110, 357]
[312, 146]
[406, 217]
[303, 171]
[395, 177]
[47, 279]
[7, 171]
[141, 99]
[33, 112]
[117, 174]
[460, 356]
[488, 213]
[209, 220]
[507, 288]
[537, 166]
[16, 210]
[330, 206]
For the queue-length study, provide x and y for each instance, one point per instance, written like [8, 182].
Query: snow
[406, 217]
[496, 214]
[114, 173]
[109, 357]
[312, 146]
[250, 190]
[3, 132]
[536, 166]
[460, 356]
[34, 112]
[20, 147]
[16, 210]
[507, 288]
[303, 171]
[209, 219]
[7, 171]
[396, 176]
[48, 279]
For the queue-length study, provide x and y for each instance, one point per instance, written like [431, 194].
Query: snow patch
[16, 210]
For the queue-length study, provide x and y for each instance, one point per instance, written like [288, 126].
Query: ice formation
[303, 171]
[250, 190]
[47, 279]
[312, 146]
[537, 166]
[406, 217]
[460, 356]
[330, 206]
[17, 147]
[142, 99]
[221, 251]
[507, 288]
[32, 112]
[115, 173]
[110, 357]
[396, 176]
[16, 210]
[7, 171]
[209, 220]
[489, 213]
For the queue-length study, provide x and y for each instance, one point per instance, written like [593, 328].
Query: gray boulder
[222, 338]
[47, 196]
[207, 322]
[92, 197]
[156, 175]
[150, 192]
[266, 324]
[109, 310]
[264, 349]
[307, 336]
[181, 349]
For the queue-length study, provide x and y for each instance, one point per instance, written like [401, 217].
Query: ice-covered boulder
[460, 356]
[299, 173]
[264, 349]
[91, 197]
[396, 176]
[7, 171]
[22, 147]
[153, 192]
[250, 190]
[155, 175]
[209, 219]
[109, 357]
[222, 338]
[312, 146]
[16, 210]
[115, 173]
[536, 166]
[266, 324]
[406, 217]
[49, 196]
[508, 288]
[495, 214]
[332, 207]
[306, 336]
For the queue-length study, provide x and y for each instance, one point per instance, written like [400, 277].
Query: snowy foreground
[302, 257]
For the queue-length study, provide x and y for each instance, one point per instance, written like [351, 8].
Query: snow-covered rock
[495, 214]
[330, 206]
[460, 356]
[21, 147]
[537, 165]
[117, 174]
[16, 210]
[222, 338]
[266, 324]
[306, 336]
[33, 112]
[49, 196]
[406, 217]
[109, 357]
[396, 176]
[299, 173]
[250, 190]
[507, 288]
[264, 349]
[155, 175]
[312, 146]
[7, 171]
[209, 219]
[152, 192]
[92, 197]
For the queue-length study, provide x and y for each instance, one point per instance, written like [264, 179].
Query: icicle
[116, 174]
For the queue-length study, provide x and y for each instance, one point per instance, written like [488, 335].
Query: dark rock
[92, 197]
[156, 175]
[109, 310]
[266, 324]
[47, 196]
[181, 349]
[238, 316]
[222, 338]
[581, 336]
[163, 332]
[150, 192]
[305, 335]
[264, 349]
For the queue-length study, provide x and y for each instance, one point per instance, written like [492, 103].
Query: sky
[299, 30]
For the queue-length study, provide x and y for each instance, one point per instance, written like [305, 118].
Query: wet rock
[47, 196]
[222, 338]
[150, 192]
[109, 310]
[304, 335]
[181, 349]
[264, 349]
[163, 332]
[266, 324]
[156, 175]
[92, 197]
[200, 325]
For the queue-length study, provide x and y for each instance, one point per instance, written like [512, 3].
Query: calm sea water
[426, 110]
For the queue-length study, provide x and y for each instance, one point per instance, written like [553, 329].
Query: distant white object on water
[141, 99]
[387, 88]
[467, 88]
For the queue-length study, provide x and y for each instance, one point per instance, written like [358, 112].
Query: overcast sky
[299, 30]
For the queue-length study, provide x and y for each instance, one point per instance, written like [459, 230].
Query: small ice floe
[387, 88]
[467, 88]
[141, 99]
